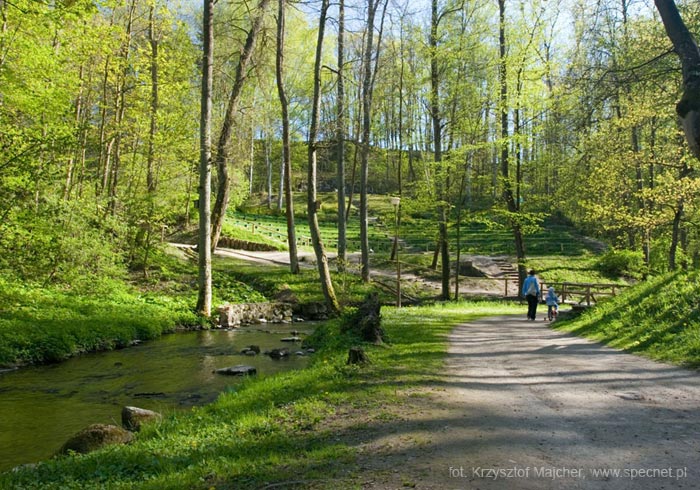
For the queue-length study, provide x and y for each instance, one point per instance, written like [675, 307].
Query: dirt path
[526, 407]
[430, 287]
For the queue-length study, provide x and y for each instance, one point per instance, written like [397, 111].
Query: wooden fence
[581, 293]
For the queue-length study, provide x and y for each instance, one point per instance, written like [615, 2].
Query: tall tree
[511, 204]
[340, 138]
[222, 148]
[442, 180]
[688, 108]
[120, 107]
[204, 244]
[286, 170]
[313, 204]
[368, 74]
[153, 42]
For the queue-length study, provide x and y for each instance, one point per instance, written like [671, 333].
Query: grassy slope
[556, 250]
[659, 318]
[41, 323]
[579, 269]
[272, 429]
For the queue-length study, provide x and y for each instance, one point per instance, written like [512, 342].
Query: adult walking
[531, 291]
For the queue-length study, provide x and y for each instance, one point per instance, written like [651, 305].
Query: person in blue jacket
[531, 291]
[552, 303]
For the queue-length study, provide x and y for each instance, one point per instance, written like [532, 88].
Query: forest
[513, 112]
[141, 142]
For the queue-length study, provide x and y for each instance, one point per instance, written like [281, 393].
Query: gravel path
[526, 407]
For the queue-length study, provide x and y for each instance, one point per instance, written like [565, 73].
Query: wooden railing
[581, 293]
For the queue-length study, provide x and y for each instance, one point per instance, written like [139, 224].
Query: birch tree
[222, 148]
[313, 204]
[286, 169]
[204, 244]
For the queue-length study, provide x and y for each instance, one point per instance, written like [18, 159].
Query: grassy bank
[277, 428]
[48, 323]
[579, 269]
[659, 318]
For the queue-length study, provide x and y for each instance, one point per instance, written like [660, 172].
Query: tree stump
[356, 355]
[367, 320]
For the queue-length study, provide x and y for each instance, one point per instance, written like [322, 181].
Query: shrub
[615, 263]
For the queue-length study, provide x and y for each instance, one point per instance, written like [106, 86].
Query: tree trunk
[252, 158]
[675, 235]
[268, 166]
[153, 41]
[71, 161]
[286, 155]
[120, 109]
[280, 194]
[312, 203]
[353, 173]
[222, 148]
[367, 85]
[399, 177]
[340, 137]
[357, 355]
[507, 186]
[151, 178]
[204, 244]
[441, 187]
[104, 145]
[688, 108]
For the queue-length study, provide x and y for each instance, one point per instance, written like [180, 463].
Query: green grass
[270, 280]
[40, 323]
[277, 428]
[480, 234]
[45, 324]
[659, 318]
[564, 268]
[243, 231]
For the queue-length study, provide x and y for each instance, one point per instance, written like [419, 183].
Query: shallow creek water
[42, 406]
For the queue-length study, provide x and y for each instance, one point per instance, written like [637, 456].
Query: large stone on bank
[313, 311]
[240, 370]
[286, 295]
[95, 437]
[133, 417]
[234, 315]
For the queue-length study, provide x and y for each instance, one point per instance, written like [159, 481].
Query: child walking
[552, 303]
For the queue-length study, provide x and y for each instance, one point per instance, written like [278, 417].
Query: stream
[42, 406]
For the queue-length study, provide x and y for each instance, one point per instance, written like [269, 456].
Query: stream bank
[43, 406]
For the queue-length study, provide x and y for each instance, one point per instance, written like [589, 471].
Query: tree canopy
[568, 105]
